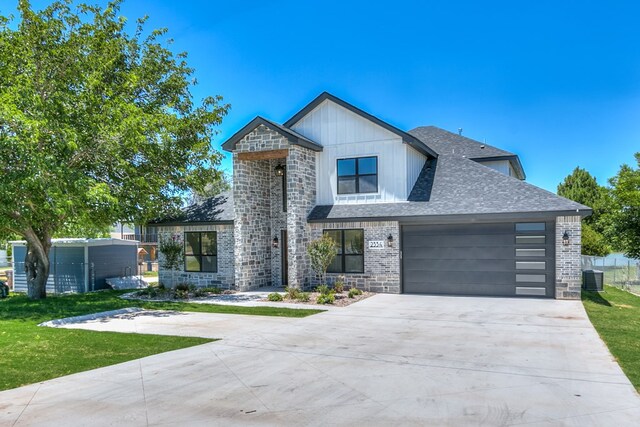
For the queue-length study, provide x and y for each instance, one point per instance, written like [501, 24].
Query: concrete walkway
[387, 360]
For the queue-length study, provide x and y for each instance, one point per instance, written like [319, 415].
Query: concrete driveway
[388, 360]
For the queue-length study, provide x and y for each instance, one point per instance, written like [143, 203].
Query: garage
[492, 259]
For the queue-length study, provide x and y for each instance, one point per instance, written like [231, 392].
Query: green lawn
[616, 316]
[29, 353]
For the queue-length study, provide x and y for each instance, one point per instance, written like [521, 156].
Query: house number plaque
[376, 244]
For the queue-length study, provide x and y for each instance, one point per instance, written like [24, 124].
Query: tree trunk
[36, 265]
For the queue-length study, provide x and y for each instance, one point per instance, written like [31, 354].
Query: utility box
[592, 280]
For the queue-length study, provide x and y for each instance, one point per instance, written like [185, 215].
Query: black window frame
[200, 254]
[343, 255]
[357, 175]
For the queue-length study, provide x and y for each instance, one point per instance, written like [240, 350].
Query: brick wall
[224, 277]
[381, 266]
[252, 225]
[568, 271]
[301, 198]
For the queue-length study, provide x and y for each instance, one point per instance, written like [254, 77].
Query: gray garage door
[502, 259]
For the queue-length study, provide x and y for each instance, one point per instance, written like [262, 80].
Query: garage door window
[530, 265]
[531, 278]
[530, 226]
[350, 251]
[530, 240]
[531, 252]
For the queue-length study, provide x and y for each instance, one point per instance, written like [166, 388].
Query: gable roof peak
[407, 138]
[293, 136]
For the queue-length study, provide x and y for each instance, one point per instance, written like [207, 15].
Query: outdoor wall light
[280, 170]
[275, 243]
[565, 239]
[390, 240]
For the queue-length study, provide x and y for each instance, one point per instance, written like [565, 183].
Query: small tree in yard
[172, 250]
[322, 251]
[97, 125]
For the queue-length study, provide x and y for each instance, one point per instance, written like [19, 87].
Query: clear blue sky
[557, 82]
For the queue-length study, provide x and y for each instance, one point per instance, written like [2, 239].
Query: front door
[284, 258]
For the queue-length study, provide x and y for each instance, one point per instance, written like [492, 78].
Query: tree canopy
[582, 187]
[97, 125]
[626, 218]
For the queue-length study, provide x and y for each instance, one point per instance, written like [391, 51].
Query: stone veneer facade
[381, 266]
[568, 269]
[259, 214]
[223, 278]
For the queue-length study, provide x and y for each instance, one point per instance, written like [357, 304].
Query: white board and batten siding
[344, 134]
[502, 166]
[415, 163]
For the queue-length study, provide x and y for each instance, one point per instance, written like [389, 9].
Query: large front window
[201, 251]
[350, 251]
[358, 175]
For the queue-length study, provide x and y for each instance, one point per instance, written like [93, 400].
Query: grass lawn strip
[616, 316]
[30, 354]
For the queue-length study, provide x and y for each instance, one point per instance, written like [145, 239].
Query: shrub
[172, 249]
[321, 252]
[303, 296]
[192, 288]
[292, 293]
[323, 290]
[199, 292]
[182, 287]
[325, 299]
[274, 296]
[339, 286]
[161, 286]
[150, 291]
[353, 292]
[212, 290]
[181, 294]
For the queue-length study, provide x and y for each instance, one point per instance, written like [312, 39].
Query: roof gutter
[178, 223]
[461, 218]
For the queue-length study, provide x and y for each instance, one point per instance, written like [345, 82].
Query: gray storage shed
[80, 265]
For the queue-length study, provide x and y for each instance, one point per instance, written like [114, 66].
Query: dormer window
[358, 175]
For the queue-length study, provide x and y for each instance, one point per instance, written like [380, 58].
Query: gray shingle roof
[216, 209]
[445, 142]
[458, 186]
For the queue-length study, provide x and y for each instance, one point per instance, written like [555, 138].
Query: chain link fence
[619, 271]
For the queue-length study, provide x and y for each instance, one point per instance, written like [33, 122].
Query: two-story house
[424, 211]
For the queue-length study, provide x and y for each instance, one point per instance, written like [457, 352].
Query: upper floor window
[201, 251]
[358, 175]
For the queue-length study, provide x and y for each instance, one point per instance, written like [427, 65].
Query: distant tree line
[615, 222]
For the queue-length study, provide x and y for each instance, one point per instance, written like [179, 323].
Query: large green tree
[97, 125]
[582, 187]
[625, 190]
